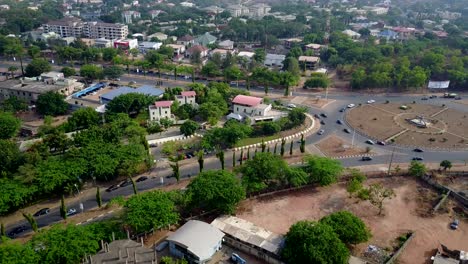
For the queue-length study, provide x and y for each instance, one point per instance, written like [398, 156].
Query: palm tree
[63, 208]
[220, 156]
[12, 69]
[98, 197]
[31, 221]
[201, 161]
[16, 50]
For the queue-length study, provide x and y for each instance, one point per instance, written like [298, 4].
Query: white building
[274, 60]
[126, 44]
[128, 15]
[226, 44]
[249, 106]
[178, 49]
[160, 110]
[159, 35]
[146, 46]
[187, 4]
[247, 55]
[351, 34]
[259, 10]
[187, 97]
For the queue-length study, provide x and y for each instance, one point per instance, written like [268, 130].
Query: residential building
[74, 27]
[195, 241]
[222, 52]
[178, 49]
[126, 44]
[376, 10]
[315, 48]
[308, 62]
[102, 43]
[158, 35]
[187, 97]
[128, 15]
[247, 55]
[123, 251]
[226, 44]
[205, 39]
[405, 33]
[259, 10]
[213, 10]
[249, 106]
[155, 13]
[197, 48]
[145, 89]
[246, 236]
[51, 77]
[351, 34]
[274, 60]
[146, 46]
[388, 34]
[238, 10]
[186, 40]
[29, 89]
[187, 4]
[449, 15]
[160, 110]
[289, 43]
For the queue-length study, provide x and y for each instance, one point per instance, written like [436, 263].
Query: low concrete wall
[458, 197]
[400, 250]
[268, 257]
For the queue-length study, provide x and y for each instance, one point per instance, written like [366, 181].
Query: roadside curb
[96, 217]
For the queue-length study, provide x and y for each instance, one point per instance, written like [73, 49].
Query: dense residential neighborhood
[202, 131]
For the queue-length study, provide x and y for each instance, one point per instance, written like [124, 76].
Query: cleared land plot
[402, 213]
[424, 109]
[444, 140]
[457, 122]
[334, 146]
[373, 122]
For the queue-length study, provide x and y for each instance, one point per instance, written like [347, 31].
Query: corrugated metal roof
[145, 89]
[247, 100]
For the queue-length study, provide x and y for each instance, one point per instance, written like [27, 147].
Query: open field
[406, 212]
[334, 146]
[448, 128]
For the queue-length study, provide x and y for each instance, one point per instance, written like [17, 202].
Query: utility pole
[391, 161]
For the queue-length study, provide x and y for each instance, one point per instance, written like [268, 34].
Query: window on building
[245, 110]
[165, 112]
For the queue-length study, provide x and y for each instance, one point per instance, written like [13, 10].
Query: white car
[371, 101]
[351, 105]
[291, 106]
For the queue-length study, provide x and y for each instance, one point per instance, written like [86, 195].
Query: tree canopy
[36, 67]
[322, 170]
[51, 103]
[189, 127]
[215, 190]
[349, 228]
[9, 125]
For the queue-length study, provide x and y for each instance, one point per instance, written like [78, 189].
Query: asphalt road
[383, 156]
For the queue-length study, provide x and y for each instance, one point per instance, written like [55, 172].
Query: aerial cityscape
[246, 132]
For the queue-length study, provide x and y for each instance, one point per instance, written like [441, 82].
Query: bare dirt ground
[334, 146]
[401, 214]
[450, 127]
[33, 119]
[312, 102]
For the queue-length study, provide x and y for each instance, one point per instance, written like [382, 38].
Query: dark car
[142, 178]
[424, 98]
[382, 143]
[316, 116]
[418, 150]
[418, 158]
[112, 188]
[454, 224]
[323, 115]
[321, 132]
[339, 122]
[322, 122]
[16, 231]
[342, 110]
[432, 96]
[458, 98]
[125, 183]
[366, 158]
[347, 131]
[370, 142]
[43, 211]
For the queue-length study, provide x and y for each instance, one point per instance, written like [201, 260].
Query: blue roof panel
[145, 89]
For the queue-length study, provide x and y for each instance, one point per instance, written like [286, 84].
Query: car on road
[112, 188]
[43, 211]
[432, 96]
[142, 178]
[323, 115]
[382, 143]
[342, 110]
[291, 106]
[418, 150]
[371, 101]
[347, 131]
[322, 122]
[370, 142]
[243, 158]
[339, 122]
[351, 105]
[458, 98]
[418, 158]
[71, 211]
[316, 116]
[125, 183]
[366, 158]
[424, 98]
[454, 224]
[321, 132]
[16, 231]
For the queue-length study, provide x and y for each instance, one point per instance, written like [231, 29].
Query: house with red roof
[160, 110]
[249, 106]
[187, 97]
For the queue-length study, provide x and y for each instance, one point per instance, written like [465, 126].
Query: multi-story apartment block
[74, 27]
[128, 15]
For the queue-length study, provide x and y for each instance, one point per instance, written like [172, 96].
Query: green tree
[446, 164]
[112, 72]
[259, 55]
[31, 220]
[349, 228]
[302, 147]
[131, 103]
[12, 70]
[68, 71]
[200, 160]
[234, 159]
[210, 69]
[16, 49]
[242, 156]
[417, 169]
[63, 208]
[323, 170]
[291, 148]
[36, 67]
[9, 125]
[135, 189]
[108, 54]
[189, 128]
[98, 197]
[378, 194]
[2, 230]
[274, 150]
[150, 210]
[51, 104]
[83, 118]
[92, 72]
[292, 66]
[215, 190]
[220, 156]
[176, 170]
[283, 143]
[13, 104]
[12, 251]
[312, 242]
[318, 80]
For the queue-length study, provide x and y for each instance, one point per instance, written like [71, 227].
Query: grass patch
[255, 140]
